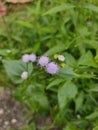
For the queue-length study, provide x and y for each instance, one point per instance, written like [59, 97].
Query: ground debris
[11, 112]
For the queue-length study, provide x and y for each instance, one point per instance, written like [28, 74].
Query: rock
[13, 121]
[6, 123]
[1, 111]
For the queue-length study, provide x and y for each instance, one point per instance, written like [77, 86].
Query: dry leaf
[18, 1]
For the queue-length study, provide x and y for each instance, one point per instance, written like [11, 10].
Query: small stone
[6, 123]
[13, 121]
[1, 111]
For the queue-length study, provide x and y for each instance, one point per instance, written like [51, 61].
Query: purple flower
[52, 68]
[43, 60]
[32, 57]
[24, 75]
[25, 58]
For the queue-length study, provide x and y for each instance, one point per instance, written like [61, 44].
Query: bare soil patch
[11, 112]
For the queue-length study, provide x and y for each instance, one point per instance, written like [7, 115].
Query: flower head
[43, 60]
[25, 58]
[52, 68]
[24, 75]
[61, 57]
[32, 57]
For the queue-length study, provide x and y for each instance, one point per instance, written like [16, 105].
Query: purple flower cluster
[51, 68]
[43, 61]
[29, 57]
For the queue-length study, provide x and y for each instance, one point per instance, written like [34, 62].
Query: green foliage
[15, 68]
[66, 93]
[52, 27]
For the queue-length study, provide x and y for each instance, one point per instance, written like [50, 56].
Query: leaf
[37, 96]
[92, 116]
[25, 24]
[56, 49]
[55, 82]
[38, 7]
[95, 89]
[67, 73]
[30, 68]
[14, 69]
[70, 127]
[69, 59]
[95, 128]
[91, 7]
[87, 60]
[79, 101]
[66, 93]
[60, 8]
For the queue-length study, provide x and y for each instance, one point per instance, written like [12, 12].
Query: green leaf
[26, 24]
[55, 82]
[38, 7]
[3, 52]
[30, 68]
[14, 69]
[94, 87]
[69, 59]
[92, 116]
[67, 92]
[95, 128]
[70, 127]
[79, 101]
[56, 49]
[91, 7]
[67, 73]
[87, 60]
[37, 96]
[60, 8]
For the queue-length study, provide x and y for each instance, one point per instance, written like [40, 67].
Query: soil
[12, 116]
[11, 112]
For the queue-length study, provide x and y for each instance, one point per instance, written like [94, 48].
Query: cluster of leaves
[58, 27]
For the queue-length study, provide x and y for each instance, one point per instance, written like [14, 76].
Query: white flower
[61, 57]
[24, 75]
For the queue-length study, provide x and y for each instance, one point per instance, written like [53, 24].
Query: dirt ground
[11, 112]
[12, 116]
